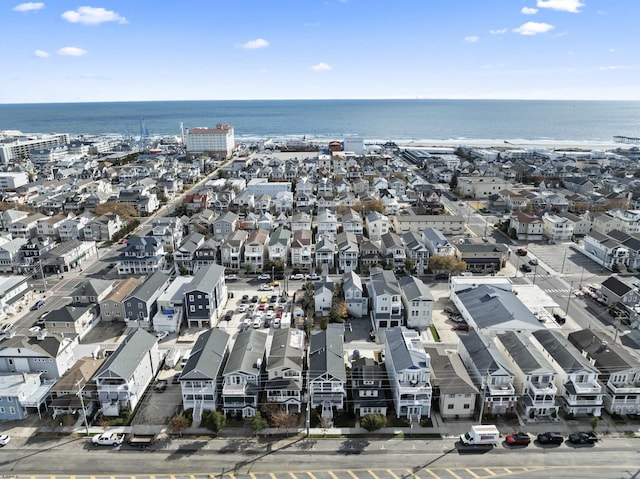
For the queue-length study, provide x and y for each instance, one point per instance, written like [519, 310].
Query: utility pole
[84, 411]
[484, 397]
[566, 312]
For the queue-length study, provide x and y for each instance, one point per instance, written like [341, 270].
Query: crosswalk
[415, 473]
[563, 291]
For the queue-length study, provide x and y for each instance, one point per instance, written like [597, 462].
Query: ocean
[323, 120]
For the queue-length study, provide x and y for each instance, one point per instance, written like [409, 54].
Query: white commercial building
[13, 180]
[218, 141]
[23, 144]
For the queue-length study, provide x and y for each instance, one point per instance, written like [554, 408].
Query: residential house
[393, 251]
[11, 254]
[368, 389]
[556, 228]
[124, 376]
[326, 374]
[607, 251]
[437, 243]
[614, 290]
[408, 371]
[581, 226]
[205, 254]
[184, 254]
[8, 217]
[302, 250]
[242, 377]
[534, 376]
[169, 230]
[417, 252]
[279, 245]
[68, 255]
[300, 221]
[619, 371]
[285, 370]
[352, 222]
[49, 226]
[323, 296]
[454, 393]
[490, 374]
[576, 378]
[224, 225]
[325, 254]
[140, 306]
[369, 255]
[26, 227]
[21, 393]
[170, 306]
[71, 320]
[102, 228]
[112, 307]
[448, 224]
[418, 302]
[327, 223]
[77, 381]
[480, 186]
[377, 225]
[91, 291]
[232, 250]
[47, 355]
[142, 255]
[527, 227]
[385, 300]
[348, 252]
[354, 295]
[255, 249]
[205, 297]
[200, 377]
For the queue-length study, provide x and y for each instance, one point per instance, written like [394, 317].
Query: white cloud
[255, 44]
[529, 11]
[40, 54]
[29, 7]
[613, 67]
[93, 16]
[500, 31]
[572, 6]
[471, 39]
[320, 67]
[533, 28]
[71, 52]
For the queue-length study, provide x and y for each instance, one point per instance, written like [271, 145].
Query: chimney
[25, 377]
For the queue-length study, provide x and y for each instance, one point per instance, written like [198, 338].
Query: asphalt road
[351, 458]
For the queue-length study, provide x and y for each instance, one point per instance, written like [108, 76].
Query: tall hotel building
[14, 147]
[217, 142]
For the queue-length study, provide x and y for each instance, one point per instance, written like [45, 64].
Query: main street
[294, 458]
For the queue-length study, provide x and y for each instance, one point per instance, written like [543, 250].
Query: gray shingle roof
[206, 278]
[486, 360]
[609, 358]
[415, 289]
[207, 356]
[562, 351]
[125, 360]
[527, 358]
[326, 355]
[247, 353]
[403, 356]
[150, 287]
[448, 372]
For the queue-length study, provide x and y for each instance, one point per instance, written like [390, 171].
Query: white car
[34, 329]
[4, 439]
[264, 277]
[161, 335]
[297, 277]
[277, 323]
[269, 315]
[265, 287]
[242, 308]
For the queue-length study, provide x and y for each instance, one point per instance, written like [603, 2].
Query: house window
[192, 308]
[1, 410]
[466, 406]
[449, 406]
[12, 410]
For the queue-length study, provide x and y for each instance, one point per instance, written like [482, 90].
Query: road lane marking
[453, 474]
[490, 472]
[253, 476]
[433, 474]
[310, 474]
[471, 473]
[272, 475]
[333, 476]
[373, 474]
[293, 476]
[351, 473]
[393, 474]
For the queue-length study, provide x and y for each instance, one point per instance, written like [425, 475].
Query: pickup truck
[108, 439]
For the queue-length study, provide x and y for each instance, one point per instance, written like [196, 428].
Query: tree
[258, 422]
[285, 420]
[375, 205]
[453, 184]
[410, 265]
[446, 264]
[214, 421]
[595, 420]
[373, 422]
[124, 211]
[179, 424]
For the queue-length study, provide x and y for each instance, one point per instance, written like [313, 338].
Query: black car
[254, 299]
[39, 304]
[176, 378]
[526, 268]
[550, 438]
[245, 298]
[228, 315]
[583, 438]
[160, 385]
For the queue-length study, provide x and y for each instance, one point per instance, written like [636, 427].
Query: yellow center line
[490, 472]
[351, 473]
[453, 474]
[373, 474]
[471, 473]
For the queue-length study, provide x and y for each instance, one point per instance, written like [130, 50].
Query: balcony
[543, 389]
[624, 388]
[501, 390]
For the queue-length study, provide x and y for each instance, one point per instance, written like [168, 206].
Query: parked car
[34, 329]
[245, 298]
[274, 283]
[176, 378]
[450, 309]
[228, 315]
[583, 438]
[297, 277]
[462, 326]
[160, 385]
[264, 277]
[37, 305]
[277, 323]
[533, 262]
[560, 319]
[4, 439]
[526, 268]
[265, 287]
[161, 335]
[273, 299]
[6, 328]
[242, 308]
[550, 438]
[522, 251]
[231, 277]
[279, 276]
[518, 439]
[254, 299]
[257, 321]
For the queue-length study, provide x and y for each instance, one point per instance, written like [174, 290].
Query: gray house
[242, 377]
[205, 297]
[327, 375]
[140, 306]
[285, 369]
[200, 377]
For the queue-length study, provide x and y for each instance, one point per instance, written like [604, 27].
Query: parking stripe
[311, 475]
[393, 474]
[490, 472]
[351, 473]
[373, 474]
[272, 475]
[453, 474]
[433, 474]
[333, 476]
[293, 476]
[471, 473]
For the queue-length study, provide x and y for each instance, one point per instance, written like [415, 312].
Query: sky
[149, 50]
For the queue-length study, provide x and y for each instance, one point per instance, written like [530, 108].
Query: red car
[262, 307]
[278, 314]
[518, 439]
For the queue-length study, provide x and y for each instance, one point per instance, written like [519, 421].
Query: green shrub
[434, 333]
[373, 422]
